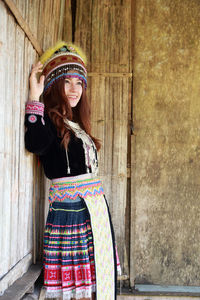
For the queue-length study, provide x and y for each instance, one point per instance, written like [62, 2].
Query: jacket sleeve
[39, 133]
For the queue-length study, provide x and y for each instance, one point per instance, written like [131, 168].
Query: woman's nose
[72, 87]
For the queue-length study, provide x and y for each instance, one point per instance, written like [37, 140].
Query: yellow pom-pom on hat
[59, 60]
[60, 44]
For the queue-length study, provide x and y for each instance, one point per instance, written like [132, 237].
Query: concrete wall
[166, 153]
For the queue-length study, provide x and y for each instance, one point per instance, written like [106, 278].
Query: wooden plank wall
[21, 179]
[103, 30]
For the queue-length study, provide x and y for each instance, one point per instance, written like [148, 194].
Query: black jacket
[41, 138]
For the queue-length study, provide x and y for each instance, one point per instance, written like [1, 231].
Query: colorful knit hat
[59, 60]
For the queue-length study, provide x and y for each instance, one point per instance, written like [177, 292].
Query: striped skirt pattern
[69, 269]
[79, 248]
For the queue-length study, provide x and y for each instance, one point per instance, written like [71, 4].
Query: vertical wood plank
[83, 27]
[21, 242]
[61, 23]
[8, 138]
[3, 68]
[15, 143]
[32, 16]
[133, 156]
[67, 22]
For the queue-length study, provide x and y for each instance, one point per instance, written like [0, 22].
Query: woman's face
[73, 90]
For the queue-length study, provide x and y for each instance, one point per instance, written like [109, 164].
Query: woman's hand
[36, 88]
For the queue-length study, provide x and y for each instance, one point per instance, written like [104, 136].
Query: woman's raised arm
[39, 129]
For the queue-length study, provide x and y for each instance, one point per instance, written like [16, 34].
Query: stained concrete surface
[166, 165]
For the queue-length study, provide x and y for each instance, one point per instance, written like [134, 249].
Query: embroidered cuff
[34, 107]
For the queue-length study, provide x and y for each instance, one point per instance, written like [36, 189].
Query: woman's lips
[72, 97]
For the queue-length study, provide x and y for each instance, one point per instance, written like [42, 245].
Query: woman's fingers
[37, 68]
[38, 64]
[36, 84]
[42, 79]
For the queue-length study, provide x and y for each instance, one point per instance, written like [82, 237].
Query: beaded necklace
[89, 147]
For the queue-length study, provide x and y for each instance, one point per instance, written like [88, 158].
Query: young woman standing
[80, 259]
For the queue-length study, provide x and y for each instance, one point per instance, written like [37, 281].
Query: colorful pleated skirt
[80, 257]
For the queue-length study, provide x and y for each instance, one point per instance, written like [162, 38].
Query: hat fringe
[50, 51]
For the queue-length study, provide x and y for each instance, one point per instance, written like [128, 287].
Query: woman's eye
[79, 82]
[67, 81]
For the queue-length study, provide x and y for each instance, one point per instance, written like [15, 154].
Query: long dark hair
[59, 109]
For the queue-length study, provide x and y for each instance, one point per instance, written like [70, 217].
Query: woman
[80, 260]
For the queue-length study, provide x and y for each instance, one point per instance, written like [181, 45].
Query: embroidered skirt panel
[79, 248]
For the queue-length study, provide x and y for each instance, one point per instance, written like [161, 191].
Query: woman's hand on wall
[36, 87]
